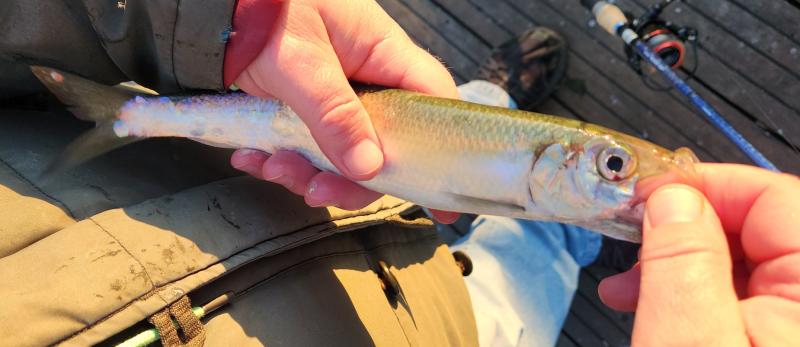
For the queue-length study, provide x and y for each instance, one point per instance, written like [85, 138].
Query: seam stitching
[38, 189]
[149, 279]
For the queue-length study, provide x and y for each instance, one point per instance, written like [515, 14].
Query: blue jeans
[525, 272]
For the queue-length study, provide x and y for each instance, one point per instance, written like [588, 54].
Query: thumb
[338, 121]
[686, 295]
[314, 85]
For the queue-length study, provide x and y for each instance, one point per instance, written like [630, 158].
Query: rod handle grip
[609, 17]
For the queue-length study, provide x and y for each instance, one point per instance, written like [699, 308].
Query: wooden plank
[751, 131]
[509, 17]
[767, 90]
[605, 48]
[587, 288]
[742, 95]
[515, 22]
[614, 66]
[745, 27]
[598, 273]
[495, 33]
[504, 15]
[481, 25]
[429, 38]
[486, 27]
[773, 148]
[565, 341]
[701, 138]
[780, 15]
[578, 332]
[772, 151]
[554, 107]
[599, 323]
[451, 30]
[645, 122]
[590, 111]
[593, 112]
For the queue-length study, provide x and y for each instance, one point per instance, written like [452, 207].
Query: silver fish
[439, 153]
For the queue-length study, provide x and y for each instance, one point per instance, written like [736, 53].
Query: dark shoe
[529, 67]
[617, 254]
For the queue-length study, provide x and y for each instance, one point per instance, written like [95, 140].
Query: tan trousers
[90, 255]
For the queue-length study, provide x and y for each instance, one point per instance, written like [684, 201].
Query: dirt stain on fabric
[168, 255]
[107, 254]
[117, 285]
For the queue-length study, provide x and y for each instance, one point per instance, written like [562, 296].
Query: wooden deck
[749, 56]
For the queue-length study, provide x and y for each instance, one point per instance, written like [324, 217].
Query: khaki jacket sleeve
[166, 45]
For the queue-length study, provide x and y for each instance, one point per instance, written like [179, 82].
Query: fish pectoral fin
[488, 205]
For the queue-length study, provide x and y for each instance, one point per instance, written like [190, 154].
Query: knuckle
[689, 249]
[340, 118]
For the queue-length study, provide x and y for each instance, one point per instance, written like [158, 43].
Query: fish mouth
[677, 167]
[632, 215]
[628, 222]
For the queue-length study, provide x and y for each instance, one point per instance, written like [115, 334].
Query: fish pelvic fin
[90, 101]
[89, 145]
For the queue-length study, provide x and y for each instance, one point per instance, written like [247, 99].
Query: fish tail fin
[87, 100]
[90, 101]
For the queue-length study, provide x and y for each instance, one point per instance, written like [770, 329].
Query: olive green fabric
[27, 215]
[165, 45]
[94, 251]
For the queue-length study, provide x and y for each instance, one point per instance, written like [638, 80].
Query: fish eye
[616, 163]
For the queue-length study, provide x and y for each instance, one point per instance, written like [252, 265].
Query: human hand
[316, 47]
[724, 278]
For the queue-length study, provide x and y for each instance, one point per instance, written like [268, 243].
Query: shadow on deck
[748, 53]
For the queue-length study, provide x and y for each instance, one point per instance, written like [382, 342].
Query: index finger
[382, 53]
[760, 205]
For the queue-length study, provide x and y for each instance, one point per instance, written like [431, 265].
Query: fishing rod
[657, 41]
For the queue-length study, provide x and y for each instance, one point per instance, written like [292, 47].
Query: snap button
[388, 281]
[464, 262]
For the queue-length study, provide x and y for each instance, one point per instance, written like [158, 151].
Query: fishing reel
[668, 40]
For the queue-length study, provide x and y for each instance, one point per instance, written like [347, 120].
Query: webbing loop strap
[190, 325]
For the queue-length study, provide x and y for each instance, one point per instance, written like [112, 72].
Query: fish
[439, 153]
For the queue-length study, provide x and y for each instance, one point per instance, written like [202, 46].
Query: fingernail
[245, 152]
[674, 205]
[239, 160]
[238, 164]
[272, 172]
[275, 174]
[317, 196]
[245, 166]
[363, 159]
